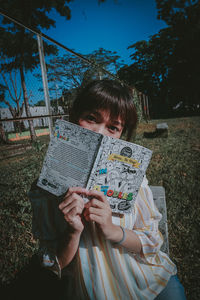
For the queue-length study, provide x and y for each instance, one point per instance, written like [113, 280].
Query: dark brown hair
[108, 95]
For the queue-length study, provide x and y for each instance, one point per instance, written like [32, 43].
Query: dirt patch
[148, 127]
[8, 151]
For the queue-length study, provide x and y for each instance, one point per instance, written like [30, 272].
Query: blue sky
[113, 25]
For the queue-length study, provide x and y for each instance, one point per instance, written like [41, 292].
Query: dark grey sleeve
[48, 223]
[48, 226]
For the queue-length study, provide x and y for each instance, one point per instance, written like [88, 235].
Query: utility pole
[45, 82]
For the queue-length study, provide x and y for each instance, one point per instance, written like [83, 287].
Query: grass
[174, 165]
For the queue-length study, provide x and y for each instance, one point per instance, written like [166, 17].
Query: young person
[106, 256]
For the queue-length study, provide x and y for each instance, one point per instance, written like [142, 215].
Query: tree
[67, 73]
[183, 17]
[150, 69]
[166, 66]
[105, 59]
[177, 12]
[14, 91]
[3, 137]
[70, 71]
[19, 45]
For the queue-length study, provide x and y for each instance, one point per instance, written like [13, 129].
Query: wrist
[123, 236]
[117, 234]
[74, 234]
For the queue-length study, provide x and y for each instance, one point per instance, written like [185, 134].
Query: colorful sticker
[124, 159]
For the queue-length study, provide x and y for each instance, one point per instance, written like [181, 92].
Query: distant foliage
[166, 67]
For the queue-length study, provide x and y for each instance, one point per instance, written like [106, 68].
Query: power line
[58, 44]
[65, 48]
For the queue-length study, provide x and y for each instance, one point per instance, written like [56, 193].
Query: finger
[98, 195]
[74, 197]
[94, 218]
[72, 205]
[95, 203]
[73, 212]
[93, 210]
[77, 189]
[72, 220]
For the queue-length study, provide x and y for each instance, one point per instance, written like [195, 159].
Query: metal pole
[45, 82]
[147, 101]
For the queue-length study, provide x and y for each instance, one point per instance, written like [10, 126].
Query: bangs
[114, 107]
[110, 96]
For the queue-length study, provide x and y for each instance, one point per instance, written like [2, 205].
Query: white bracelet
[123, 237]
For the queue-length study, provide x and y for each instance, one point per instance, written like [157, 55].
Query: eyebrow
[115, 122]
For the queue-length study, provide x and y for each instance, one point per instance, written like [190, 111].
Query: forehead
[107, 115]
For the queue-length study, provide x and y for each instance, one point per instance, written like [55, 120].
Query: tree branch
[12, 110]
[7, 86]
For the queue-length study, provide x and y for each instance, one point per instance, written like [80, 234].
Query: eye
[113, 128]
[90, 118]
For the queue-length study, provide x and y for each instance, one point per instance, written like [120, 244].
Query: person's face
[100, 122]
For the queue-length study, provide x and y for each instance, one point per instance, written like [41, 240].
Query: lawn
[175, 165]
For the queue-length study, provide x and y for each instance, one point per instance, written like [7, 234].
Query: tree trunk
[27, 108]
[2, 134]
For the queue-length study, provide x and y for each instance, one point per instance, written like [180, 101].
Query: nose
[100, 128]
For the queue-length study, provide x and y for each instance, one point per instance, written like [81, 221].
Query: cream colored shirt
[105, 270]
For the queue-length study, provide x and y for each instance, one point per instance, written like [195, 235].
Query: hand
[99, 211]
[72, 207]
